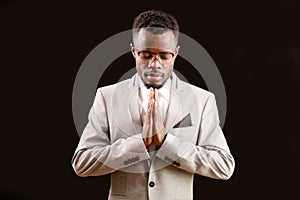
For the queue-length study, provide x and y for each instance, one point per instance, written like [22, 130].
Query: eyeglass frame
[154, 55]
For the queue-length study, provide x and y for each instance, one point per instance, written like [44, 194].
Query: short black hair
[153, 19]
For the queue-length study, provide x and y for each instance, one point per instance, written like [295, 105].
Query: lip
[154, 74]
[153, 77]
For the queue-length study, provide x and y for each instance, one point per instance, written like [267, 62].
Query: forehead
[163, 41]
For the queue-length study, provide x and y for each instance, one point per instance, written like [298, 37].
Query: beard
[154, 86]
[154, 77]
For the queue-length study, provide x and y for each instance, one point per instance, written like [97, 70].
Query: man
[153, 132]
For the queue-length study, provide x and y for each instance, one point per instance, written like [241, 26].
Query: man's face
[154, 56]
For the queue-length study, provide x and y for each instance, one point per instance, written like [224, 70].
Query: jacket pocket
[118, 184]
[187, 134]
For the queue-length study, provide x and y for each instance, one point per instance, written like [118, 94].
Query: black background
[255, 44]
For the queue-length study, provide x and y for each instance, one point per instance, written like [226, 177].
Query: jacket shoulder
[107, 90]
[197, 90]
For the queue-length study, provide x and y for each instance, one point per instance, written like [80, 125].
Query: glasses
[162, 57]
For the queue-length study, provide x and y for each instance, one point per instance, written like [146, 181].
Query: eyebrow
[163, 52]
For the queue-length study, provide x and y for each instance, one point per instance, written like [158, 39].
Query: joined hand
[153, 127]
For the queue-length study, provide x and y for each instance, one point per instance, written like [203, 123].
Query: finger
[157, 121]
[155, 94]
[147, 128]
[152, 106]
[152, 93]
[148, 115]
[150, 134]
[155, 118]
[155, 111]
[150, 123]
[156, 114]
[150, 97]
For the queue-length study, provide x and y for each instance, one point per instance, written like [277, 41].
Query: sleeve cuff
[172, 149]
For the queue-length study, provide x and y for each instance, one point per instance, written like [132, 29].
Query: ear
[132, 49]
[177, 51]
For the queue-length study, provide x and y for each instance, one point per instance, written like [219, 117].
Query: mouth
[153, 74]
[154, 77]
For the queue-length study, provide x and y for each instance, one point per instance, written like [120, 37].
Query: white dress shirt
[163, 98]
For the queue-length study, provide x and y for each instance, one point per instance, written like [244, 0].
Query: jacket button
[151, 184]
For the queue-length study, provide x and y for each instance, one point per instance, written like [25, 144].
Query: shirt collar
[164, 91]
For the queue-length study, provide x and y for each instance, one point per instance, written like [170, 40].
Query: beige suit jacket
[111, 143]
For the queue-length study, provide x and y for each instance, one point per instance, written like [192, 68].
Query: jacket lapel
[133, 102]
[175, 110]
[125, 107]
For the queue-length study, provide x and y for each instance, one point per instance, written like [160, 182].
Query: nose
[154, 62]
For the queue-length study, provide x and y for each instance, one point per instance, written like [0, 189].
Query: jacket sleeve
[210, 156]
[96, 154]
